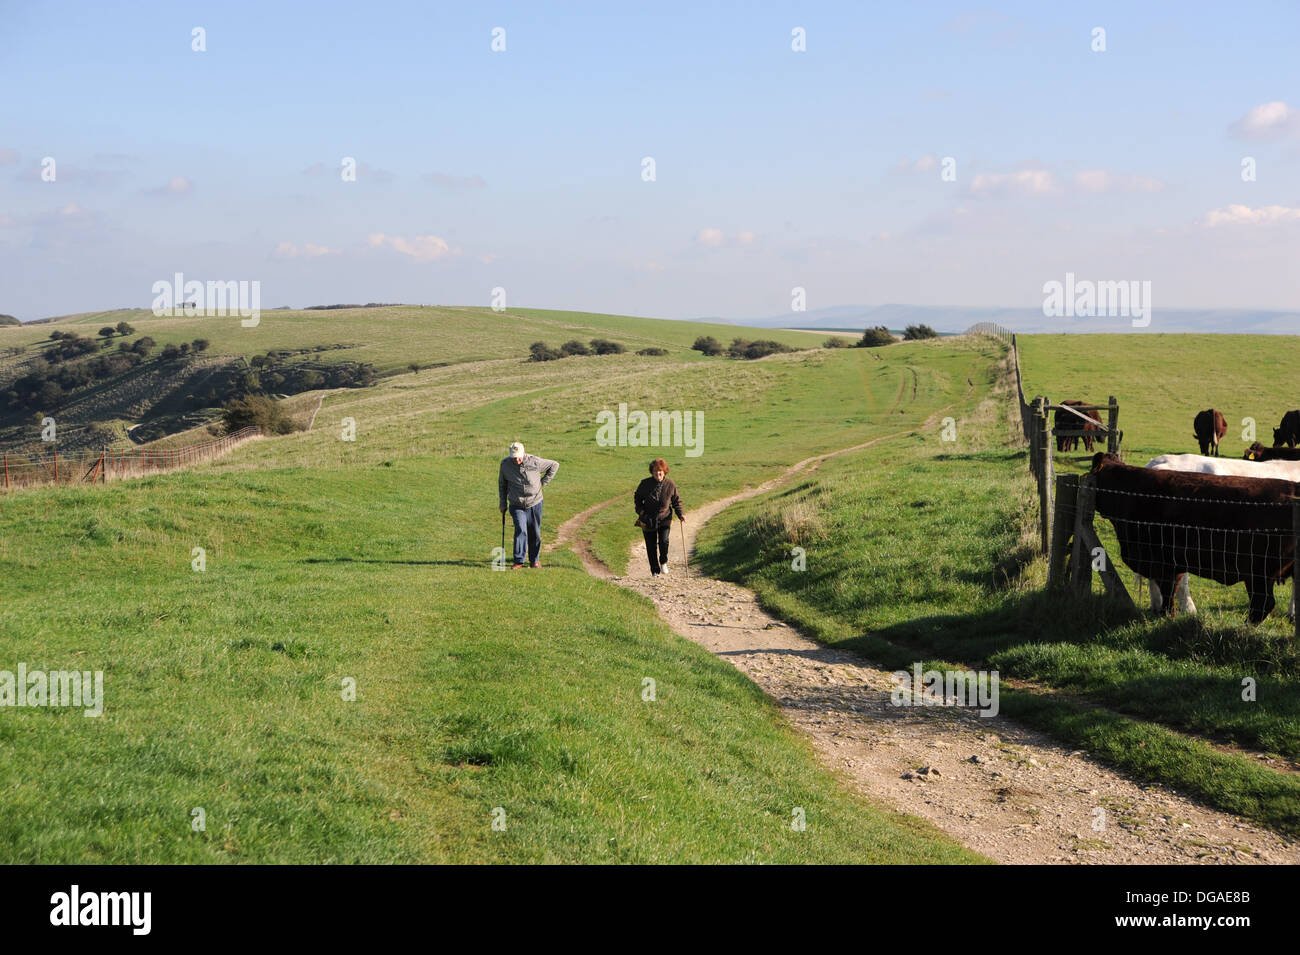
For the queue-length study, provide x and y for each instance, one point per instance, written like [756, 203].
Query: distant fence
[91, 467]
[1038, 427]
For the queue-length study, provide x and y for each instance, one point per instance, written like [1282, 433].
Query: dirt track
[999, 788]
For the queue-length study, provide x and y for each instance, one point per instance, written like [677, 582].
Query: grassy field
[330, 560]
[878, 581]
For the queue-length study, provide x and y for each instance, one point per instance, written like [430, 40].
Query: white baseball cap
[516, 450]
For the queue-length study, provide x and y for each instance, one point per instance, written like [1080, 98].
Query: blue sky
[522, 169]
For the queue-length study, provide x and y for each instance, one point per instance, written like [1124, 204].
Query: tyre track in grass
[998, 787]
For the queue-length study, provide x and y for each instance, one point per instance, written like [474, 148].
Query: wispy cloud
[1104, 181]
[176, 186]
[1023, 182]
[1246, 216]
[1275, 120]
[422, 248]
[716, 238]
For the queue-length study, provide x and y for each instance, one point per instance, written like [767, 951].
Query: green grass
[917, 548]
[329, 559]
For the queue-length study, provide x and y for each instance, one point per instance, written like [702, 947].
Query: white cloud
[715, 238]
[1245, 215]
[422, 248]
[1101, 180]
[1268, 121]
[1024, 182]
[309, 250]
[927, 163]
[176, 186]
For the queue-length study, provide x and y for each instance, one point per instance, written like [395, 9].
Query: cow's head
[1104, 459]
[1277, 437]
[1253, 452]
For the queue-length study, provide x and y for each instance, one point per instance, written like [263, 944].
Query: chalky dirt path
[1001, 789]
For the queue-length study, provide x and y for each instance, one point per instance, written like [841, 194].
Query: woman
[655, 500]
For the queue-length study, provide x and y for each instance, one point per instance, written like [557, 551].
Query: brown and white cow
[1209, 426]
[1068, 421]
[1227, 528]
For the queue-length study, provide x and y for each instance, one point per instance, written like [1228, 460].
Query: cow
[1069, 421]
[1283, 470]
[1175, 522]
[1257, 452]
[1209, 426]
[1288, 432]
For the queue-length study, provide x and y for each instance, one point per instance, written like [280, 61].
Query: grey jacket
[523, 483]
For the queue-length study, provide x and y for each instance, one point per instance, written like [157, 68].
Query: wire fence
[25, 469]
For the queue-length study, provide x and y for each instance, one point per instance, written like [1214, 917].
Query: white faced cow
[1201, 464]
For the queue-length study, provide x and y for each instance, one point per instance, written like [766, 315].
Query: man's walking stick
[685, 563]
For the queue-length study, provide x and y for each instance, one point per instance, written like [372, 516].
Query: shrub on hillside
[108, 331]
[603, 346]
[743, 348]
[708, 345]
[540, 351]
[836, 342]
[653, 351]
[575, 347]
[256, 410]
[124, 329]
[914, 333]
[875, 337]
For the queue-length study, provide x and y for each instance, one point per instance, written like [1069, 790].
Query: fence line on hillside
[1043, 437]
[21, 469]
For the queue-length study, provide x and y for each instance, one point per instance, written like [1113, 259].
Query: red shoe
[537, 563]
[517, 567]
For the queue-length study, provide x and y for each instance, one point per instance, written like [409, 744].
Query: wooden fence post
[1045, 479]
[1067, 500]
[1081, 558]
[1112, 426]
[55, 452]
[1295, 577]
[6, 472]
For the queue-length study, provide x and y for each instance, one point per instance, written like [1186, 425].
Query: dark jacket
[654, 500]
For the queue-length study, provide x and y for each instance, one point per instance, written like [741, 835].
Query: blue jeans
[528, 532]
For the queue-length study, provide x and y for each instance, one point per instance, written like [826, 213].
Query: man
[520, 480]
[655, 500]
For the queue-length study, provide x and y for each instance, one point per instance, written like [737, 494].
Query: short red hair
[659, 464]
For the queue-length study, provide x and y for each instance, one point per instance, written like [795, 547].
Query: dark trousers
[528, 532]
[656, 545]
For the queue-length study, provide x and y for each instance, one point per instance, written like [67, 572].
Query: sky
[525, 168]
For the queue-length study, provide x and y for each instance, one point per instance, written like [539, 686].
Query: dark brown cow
[1209, 427]
[1288, 432]
[1257, 452]
[1174, 522]
[1072, 422]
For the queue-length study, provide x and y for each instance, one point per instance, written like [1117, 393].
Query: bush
[914, 333]
[143, 345]
[875, 337]
[743, 348]
[708, 345]
[836, 342]
[540, 351]
[603, 346]
[124, 329]
[200, 344]
[653, 351]
[575, 348]
[108, 331]
[256, 410]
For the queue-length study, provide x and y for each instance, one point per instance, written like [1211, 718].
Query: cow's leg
[1185, 594]
[1157, 601]
[1159, 587]
[1261, 598]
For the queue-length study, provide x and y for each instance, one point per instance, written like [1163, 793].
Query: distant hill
[957, 318]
